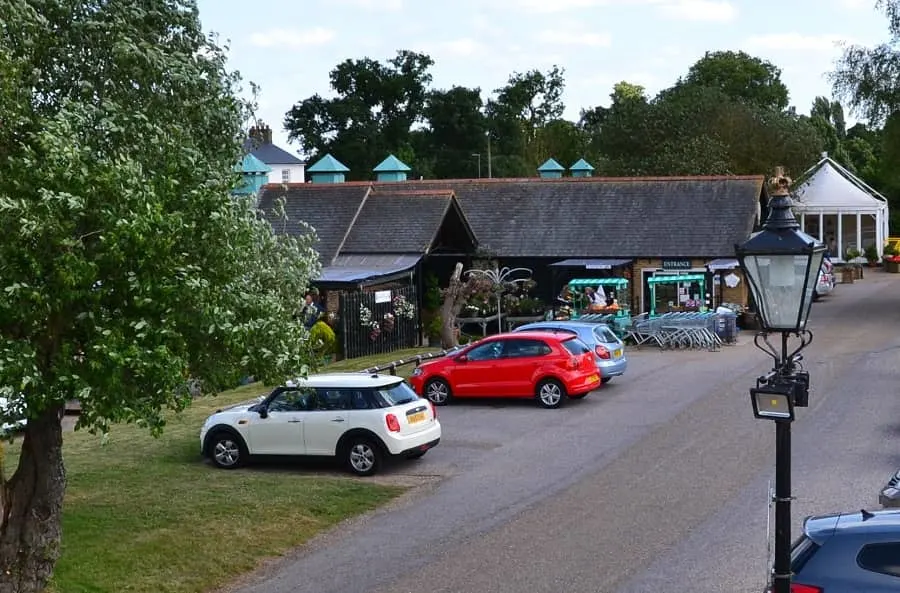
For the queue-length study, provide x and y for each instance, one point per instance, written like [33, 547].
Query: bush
[323, 339]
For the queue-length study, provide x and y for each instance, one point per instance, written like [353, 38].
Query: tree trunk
[31, 508]
[455, 296]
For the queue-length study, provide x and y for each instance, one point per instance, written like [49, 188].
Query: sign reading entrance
[676, 264]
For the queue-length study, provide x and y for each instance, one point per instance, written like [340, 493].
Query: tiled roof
[398, 222]
[271, 154]
[328, 208]
[606, 217]
[570, 217]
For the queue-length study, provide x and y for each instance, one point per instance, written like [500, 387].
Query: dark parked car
[848, 553]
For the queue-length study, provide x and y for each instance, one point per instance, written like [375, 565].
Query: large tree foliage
[740, 77]
[691, 129]
[867, 78]
[521, 108]
[456, 130]
[373, 114]
[126, 266]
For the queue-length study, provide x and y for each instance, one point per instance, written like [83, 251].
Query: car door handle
[337, 419]
[294, 421]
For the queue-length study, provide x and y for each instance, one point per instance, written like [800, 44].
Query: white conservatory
[840, 209]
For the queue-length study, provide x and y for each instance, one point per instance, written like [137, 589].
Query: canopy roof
[828, 186]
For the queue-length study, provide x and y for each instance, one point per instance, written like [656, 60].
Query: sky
[288, 47]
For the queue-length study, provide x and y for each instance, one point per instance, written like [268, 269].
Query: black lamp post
[781, 265]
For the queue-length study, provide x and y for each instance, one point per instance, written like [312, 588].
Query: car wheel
[550, 393]
[227, 451]
[437, 391]
[605, 380]
[362, 456]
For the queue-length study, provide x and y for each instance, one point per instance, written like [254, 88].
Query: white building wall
[295, 173]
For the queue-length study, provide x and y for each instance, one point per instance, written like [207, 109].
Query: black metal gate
[379, 321]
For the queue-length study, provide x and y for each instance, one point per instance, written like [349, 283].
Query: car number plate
[417, 417]
[593, 378]
[618, 353]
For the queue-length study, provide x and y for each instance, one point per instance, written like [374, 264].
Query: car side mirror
[462, 358]
[263, 412]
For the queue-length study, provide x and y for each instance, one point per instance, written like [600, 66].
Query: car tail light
[602, 352]
[393, 424]
[798, 588]
[433, 409]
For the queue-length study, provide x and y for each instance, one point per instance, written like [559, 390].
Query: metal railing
[418, 359]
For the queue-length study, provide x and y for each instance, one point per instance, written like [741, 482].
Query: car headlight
[417, 371]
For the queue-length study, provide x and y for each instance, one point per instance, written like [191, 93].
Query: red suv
[544, 365]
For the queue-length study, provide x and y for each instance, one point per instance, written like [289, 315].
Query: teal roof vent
[391, 169]
[581, 169]
[327, 170]
[551, 170]
[255, 174]
[250, 165]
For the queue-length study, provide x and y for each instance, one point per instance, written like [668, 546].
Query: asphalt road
[658, 482]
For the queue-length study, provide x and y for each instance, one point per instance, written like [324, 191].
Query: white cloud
[569, 37]
[700, 10]
[554, 6]
[464, 46]
[794, 42]
[292, 37]
[854, 4]
[376, 5]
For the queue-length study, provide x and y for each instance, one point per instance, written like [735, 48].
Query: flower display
[403, 308]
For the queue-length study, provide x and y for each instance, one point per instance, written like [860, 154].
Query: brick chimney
[262, 134]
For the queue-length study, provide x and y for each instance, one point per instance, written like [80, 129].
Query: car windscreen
[605, 335]
[396, 394]
[576, 346]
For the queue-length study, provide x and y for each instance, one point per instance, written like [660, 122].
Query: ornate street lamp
[781, 264]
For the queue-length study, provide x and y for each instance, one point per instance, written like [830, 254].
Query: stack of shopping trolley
[684, 331]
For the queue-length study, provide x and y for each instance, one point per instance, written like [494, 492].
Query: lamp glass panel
[780, 287]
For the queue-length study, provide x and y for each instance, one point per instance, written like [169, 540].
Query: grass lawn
[366, 362]
[145, 515]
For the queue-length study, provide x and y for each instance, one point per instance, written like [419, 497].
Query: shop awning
[727, 263]
[598, 282]
[367, 269]
[675, 279]
[591, 264]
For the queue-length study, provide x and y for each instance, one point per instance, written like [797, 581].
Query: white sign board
[382, 296]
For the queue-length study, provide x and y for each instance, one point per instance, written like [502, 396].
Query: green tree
[620, 136]
[828, 119]
[373, 114]
[741, 77]
[125, 264]
[456, 131]
[527, 103]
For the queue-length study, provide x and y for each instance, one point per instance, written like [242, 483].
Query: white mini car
[359, 418]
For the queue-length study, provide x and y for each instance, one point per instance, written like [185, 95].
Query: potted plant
[433, 331]
[871, 254]
[852, 265]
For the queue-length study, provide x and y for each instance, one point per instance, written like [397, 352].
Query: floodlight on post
[773, 402]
